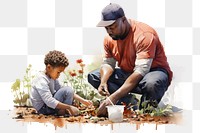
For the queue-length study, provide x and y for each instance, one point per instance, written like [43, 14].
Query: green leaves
[24, 98]
[165, 111]
[17, 101]
[150, 107]
[16, 85]
[21, 88]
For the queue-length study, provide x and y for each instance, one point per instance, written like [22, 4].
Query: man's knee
[150, 87]
[94, 78]
[89, 78]
[155, 90]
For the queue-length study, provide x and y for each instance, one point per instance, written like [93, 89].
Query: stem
[16, 94]
[19, 97]
[23, 86]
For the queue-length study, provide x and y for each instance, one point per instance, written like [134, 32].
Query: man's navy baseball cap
[110, 14]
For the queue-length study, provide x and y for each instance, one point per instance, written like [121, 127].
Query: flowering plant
[78, 81]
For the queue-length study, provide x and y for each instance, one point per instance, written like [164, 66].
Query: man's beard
[115, 37]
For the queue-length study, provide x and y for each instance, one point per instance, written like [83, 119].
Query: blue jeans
[151, 87]
[64, 95]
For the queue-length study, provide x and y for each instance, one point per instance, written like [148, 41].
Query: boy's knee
[68, 91]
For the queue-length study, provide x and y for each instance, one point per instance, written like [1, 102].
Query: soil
[29, 114]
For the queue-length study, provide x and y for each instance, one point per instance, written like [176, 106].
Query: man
[142, 63]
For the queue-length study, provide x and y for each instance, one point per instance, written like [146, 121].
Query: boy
[47, 95]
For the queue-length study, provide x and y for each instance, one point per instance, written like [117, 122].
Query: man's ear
[123, 18]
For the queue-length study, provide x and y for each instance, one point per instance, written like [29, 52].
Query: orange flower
[82, 65]
[79, 61]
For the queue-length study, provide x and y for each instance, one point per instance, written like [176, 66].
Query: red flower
[80, 71]
[72, 73]
[79, 61]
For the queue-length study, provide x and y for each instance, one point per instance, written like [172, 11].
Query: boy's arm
[57, 85]
[82, 100]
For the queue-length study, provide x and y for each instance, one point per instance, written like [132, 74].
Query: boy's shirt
[43, 89]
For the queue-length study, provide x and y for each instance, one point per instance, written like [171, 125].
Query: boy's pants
[64, 95]
[151, 87]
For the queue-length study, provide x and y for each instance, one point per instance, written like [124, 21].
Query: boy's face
[54, 72]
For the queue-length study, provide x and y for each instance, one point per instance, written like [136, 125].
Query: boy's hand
[73, 110]
[88, 103]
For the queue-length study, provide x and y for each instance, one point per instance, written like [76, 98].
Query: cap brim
[105, 23]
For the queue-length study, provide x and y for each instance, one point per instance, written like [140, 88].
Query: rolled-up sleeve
[142, 66]
[109, 61]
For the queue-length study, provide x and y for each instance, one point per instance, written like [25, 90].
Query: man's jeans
[64, 95]
[151, 87]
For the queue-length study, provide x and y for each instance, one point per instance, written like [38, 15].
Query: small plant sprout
[151, 107]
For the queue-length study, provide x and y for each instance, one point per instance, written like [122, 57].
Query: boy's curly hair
[56, 58]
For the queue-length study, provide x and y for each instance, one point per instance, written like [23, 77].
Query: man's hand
[73, 110]
[102, 111]
[103, 90]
